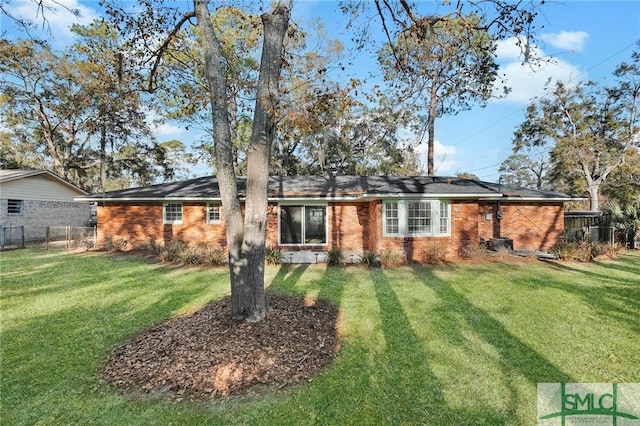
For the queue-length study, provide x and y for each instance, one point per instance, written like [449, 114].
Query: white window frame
[13, 203]
[164, 213]
[440, 219]
[304, 205]
[214, 208]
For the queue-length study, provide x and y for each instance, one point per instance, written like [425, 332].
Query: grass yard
[445, 345]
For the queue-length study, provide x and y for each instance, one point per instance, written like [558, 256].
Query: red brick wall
[351, 226]
[142, 222]
[488, 225]
[532, 226]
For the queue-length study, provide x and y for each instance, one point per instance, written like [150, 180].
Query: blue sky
[586, 40]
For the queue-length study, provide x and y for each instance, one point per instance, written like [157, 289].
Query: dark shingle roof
[335, 187]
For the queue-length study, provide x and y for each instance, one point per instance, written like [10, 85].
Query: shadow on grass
[287, 277]
[608, 295]
[388, 381]
[406, 373]
[52, 354]
[515, 354]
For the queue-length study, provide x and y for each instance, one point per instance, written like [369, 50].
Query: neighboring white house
[37, 199]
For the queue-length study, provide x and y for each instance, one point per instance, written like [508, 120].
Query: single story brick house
[312, 214]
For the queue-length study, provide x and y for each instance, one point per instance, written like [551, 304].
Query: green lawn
[454, 344]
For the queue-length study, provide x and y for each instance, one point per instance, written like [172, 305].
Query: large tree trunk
[431, 118]
[245, 241]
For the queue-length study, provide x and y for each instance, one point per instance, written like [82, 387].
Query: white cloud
[445, 161]
[167, 131]
[567, 40]
[55, 16]
[528, 80]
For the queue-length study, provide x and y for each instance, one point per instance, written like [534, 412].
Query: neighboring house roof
[336, 188]
[12, 175]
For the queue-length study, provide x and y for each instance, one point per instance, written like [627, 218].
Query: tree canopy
[223, 69]
[591, 129]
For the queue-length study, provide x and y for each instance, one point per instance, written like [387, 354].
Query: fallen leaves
[207, 354]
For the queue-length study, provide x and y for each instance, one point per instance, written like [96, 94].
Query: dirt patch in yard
[207, 354]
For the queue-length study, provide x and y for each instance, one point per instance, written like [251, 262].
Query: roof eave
[423, 195]
[49, 175]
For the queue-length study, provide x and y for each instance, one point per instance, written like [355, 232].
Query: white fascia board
[535, 199]
[144, 199]
[427, 196]
[164, 200]
[313, 199]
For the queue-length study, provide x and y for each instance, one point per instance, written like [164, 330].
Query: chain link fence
[48, 237]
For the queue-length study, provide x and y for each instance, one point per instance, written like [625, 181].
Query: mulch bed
[207, 354]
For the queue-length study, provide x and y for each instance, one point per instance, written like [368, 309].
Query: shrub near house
[413, 216]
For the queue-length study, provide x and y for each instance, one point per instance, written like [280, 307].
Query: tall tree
[76, 108]
[623, 184]
[154, 29]
[526, 170]
[245, 236]
[441, 69]
[591, 129]
[43, 9]
[184, 94]
[311, 100]
[152, 32]
[361, 140]
[118, 116]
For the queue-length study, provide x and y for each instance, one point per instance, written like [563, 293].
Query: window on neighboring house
[172, 212]
[303, 224]
[15, 207]
[416, 218]
[213, 213]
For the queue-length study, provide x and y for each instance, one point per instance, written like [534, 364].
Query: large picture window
[172, 213]
[303, 224]
[416, 218]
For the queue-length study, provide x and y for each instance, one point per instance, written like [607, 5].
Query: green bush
[335, 257]
[273, 256]
[370, 258]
